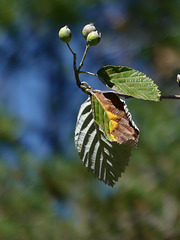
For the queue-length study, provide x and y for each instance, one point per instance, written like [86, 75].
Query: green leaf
[129, 82]
[106, 160]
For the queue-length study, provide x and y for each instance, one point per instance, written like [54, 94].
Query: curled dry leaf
[112, 114]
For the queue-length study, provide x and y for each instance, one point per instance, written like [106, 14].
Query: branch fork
[87, 89]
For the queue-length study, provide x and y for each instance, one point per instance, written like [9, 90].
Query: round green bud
[94, 38]
[87, 29]
[65, 34]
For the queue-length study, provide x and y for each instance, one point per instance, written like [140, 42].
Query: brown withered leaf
[112, 114]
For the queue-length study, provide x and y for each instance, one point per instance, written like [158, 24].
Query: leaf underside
[105, 159]
[129, 82]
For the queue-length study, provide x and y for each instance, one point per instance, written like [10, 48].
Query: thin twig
[71, 49]
[93, 74]
[129, 96]
[83, 58]
[80, 85]
[117, 93]
[78, 82]
[169, 97]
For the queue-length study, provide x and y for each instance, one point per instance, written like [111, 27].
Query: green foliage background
[144, 204]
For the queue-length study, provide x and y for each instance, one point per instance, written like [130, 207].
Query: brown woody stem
[128, 96]
[78, 82]
[82, 85]
[85, 89]
[169, 97]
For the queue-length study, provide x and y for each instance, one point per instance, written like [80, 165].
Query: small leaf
[111, 113]
[105, 159]
[129, 82]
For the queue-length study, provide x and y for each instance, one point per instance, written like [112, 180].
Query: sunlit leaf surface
[130, 82]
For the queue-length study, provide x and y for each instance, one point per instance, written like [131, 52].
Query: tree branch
[87, 90]
[169, 97]
[129, 96]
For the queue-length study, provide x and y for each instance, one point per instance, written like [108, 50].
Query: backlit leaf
[130, 82]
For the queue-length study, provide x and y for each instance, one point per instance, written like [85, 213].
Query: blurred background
[45, 192]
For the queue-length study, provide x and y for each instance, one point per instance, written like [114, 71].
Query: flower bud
[87, 29]
[65, 34]
[94, 38]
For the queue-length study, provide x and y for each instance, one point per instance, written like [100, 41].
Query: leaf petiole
[89, 73]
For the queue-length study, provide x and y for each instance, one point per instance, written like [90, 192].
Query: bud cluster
[89, 32]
